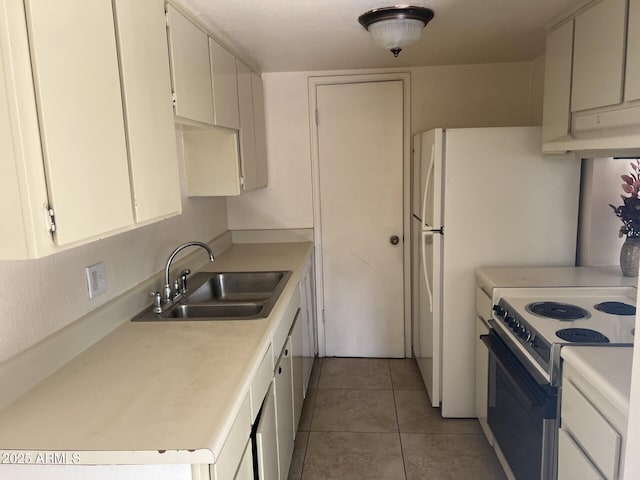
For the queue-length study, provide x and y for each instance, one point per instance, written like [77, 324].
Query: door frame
[315, 82]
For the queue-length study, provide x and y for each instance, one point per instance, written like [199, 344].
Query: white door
[360, 151]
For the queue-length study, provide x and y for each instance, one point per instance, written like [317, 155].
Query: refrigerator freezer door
[429, 309]
[431, 163]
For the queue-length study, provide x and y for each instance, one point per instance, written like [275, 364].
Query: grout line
[395, 404]
[304, 456]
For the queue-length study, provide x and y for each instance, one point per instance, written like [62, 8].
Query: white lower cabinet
[591, 437]
[284, 409]
[234, 447]
[483, 314]
[297, 367]
[245, 469]
[307, 318]
[267, 438]
[574, 464]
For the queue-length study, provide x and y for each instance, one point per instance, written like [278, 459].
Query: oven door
[521, 413]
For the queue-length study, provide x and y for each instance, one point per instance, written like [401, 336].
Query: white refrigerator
[480, 197]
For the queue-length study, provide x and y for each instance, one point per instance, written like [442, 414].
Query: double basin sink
[225, 296]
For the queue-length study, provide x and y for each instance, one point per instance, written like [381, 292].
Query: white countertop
[607, 369]
[492, 277]
[155, 392]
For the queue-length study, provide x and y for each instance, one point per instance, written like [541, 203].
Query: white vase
[630, 256]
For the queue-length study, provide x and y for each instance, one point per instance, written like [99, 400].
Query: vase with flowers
[629, 214]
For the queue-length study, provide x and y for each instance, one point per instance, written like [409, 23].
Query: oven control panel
[522, 332]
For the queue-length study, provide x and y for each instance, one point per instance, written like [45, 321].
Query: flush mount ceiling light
[396, 27]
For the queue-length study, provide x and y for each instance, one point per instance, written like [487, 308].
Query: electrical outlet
[96, 280]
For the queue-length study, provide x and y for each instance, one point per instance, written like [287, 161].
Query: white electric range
[537, 322]
[530, 326]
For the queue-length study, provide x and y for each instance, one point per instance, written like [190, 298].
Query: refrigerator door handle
[424, 269]
[427, 184]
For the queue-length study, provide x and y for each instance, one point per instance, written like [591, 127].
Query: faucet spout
[167, 281]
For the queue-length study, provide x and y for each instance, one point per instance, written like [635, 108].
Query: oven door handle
[509, 366]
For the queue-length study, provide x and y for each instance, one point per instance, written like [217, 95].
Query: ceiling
[303, 35]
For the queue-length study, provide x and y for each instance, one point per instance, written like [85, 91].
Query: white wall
[450, 96]
[39, 297]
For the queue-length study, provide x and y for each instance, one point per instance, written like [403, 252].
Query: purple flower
[629, 212]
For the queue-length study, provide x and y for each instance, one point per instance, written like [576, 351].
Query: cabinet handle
[286, 352]
[279, 370]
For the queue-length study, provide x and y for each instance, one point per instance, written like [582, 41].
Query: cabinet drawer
[592, 431]
[572, 462]
[233, 449]
[261, 382]
[484, 304]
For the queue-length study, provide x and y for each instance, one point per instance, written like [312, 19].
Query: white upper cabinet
[557, 83]
[222, 102]
[598, 56]
[252, 128]
[259, 126]
[247, 128]
[225, 87]
[632, 81]
[88, 136]
[592, 81]
[144, 67]
[190, 70]
[80, 115]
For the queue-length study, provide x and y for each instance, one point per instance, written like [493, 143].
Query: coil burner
[616, 308]
[557, 310]
[581, 335]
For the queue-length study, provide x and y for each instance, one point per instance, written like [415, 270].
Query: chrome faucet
[168, 296]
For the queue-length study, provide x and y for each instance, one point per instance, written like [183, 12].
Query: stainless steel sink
[246, 311]
[234, 286]
[225, 296]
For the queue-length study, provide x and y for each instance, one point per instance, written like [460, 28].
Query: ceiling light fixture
[396, 27]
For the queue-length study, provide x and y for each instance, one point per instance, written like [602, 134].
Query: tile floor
[370, 419]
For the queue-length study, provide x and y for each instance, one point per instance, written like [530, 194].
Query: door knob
[394, 240]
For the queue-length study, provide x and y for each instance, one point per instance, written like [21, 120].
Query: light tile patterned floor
[371, 419]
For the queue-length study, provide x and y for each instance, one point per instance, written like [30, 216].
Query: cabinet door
[13, 242]
[77, 83]
[598, 55]
[267, 438]
[632, 81]
[297, 368]
[225, 87]
[260, 130]
[284, 409]
[556, 115]
[572, 462]
[482, 377]
[190, 71]
[245, 469]
[247, 130]
[146, 82]
[308, 328]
